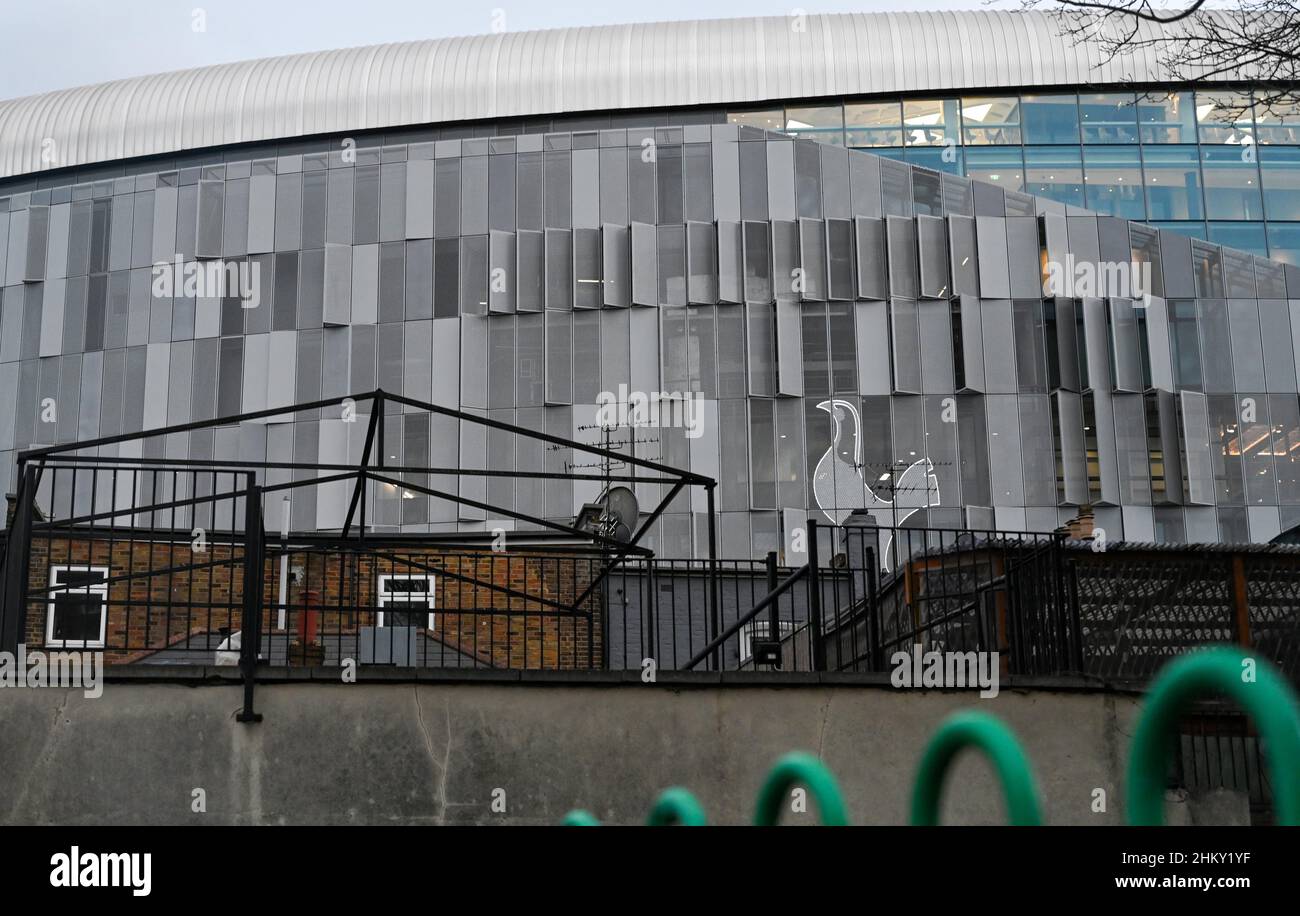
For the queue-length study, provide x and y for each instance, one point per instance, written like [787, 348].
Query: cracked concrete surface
[366, 753]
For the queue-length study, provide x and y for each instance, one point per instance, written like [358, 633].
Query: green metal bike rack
[676, 807]
[977, 729]
[798, 768]
[1266, 697]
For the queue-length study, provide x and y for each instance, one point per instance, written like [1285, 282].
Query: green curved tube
[676, 807]
[579, 818]
[997, 741]
[1269, 701]
[798, 768]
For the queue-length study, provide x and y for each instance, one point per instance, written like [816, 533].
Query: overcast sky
[55, 44]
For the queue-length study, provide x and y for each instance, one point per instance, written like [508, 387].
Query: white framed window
[407, 598]
[77, 613]
[758, 629]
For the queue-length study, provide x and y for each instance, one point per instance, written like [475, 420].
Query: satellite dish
[621, 512]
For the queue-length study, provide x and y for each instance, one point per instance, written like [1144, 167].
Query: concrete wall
[434, 753]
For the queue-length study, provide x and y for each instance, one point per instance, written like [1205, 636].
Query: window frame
[100, 589]
[383, 596]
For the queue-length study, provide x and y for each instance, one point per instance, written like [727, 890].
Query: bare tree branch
[1246, 41]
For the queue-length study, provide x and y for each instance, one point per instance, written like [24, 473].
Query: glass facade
[841, 316]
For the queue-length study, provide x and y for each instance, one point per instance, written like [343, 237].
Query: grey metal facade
[794, 286]
[511, 74]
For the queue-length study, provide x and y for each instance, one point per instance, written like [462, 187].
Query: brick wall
[171, 597]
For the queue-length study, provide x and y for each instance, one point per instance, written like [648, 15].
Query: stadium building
[945, 269]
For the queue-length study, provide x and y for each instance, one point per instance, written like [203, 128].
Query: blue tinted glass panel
[1109, 117]
[1050, 118]
[1055, 172]
[1113, 180]
[1002, 167]
[1231, 183]
[1173, 182]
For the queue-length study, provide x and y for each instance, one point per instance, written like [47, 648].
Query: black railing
[172, 565]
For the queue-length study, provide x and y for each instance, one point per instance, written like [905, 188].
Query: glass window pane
[1284, 242]
[1231, 183]
[1050, 118]
[816, 122]
[1108, 117]
[1280, 173]
[1167, 117]
[1002, 167]
[1113, 180]
[1224, 117]
[1277, 120]
[874, 124]
[1239, 235]
[947, 158]
[930, 122]
[991, 120]
[1173, 182]
[766, 118]
[1055, 172]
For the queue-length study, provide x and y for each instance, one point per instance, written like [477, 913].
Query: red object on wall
[309, 618]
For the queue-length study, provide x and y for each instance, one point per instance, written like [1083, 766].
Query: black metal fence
[172, 565]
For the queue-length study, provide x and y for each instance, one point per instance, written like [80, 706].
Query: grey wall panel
[702, 262]
[780, 180]
[645, 259]
[1158, 347]
[1107, 446]
[559, 269]
[936, 347]
[1197, 460]
[16, 256]
[365, 284]
[1023, 257]
[904, 277]
[337, 303]
[789, 348]
[812, 260]
[1124, 345]
[530, 250]
[1008, 487]
[282, 369]
[1073, 483]
[785, 260]
[616, 253]
[1247, 347]
[998, 328]
[991, 235]
[52, 318]
[872, 327]
[932, 243]
[971, 326]
[261, 213]
[257, 371]
[56, 261]
[1096, 336]
[1176, 259]
[419, 199]
[1165, 404]
[1279, 353]
[872, 262]
[502, 266]
[726, 179]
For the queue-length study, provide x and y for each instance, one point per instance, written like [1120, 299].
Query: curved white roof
[512, 74]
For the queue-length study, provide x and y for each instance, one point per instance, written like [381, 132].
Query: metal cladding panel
[512, 74]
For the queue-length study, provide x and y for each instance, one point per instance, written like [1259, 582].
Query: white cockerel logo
[841, 487]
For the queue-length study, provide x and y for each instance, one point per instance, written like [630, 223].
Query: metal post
[774, 612]
[713, 575]
[13, 620]
[251, 630]
[815, 601]
[873, 621]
